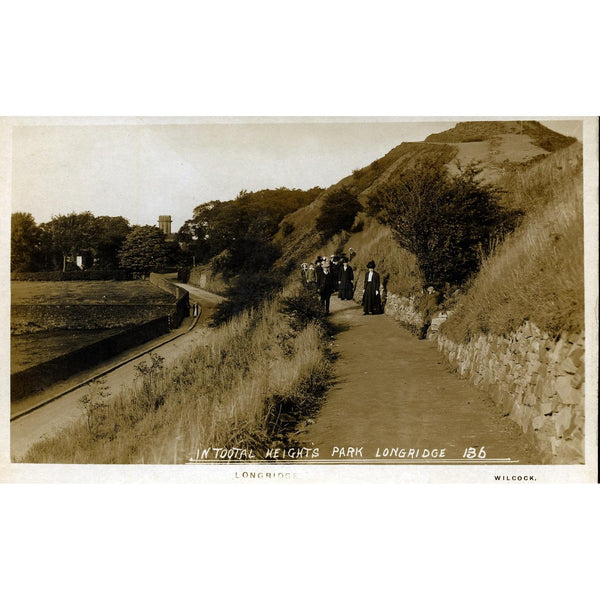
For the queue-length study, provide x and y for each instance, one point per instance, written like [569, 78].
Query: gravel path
[393, 390]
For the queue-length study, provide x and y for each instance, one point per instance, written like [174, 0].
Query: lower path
[393, 390]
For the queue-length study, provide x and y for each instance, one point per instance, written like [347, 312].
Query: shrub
[337, 213]
[448, 223]
[303, 308]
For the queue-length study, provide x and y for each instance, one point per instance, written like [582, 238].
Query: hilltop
[502, 149]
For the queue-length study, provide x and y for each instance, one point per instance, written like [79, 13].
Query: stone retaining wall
[41, 376]
[161, 282]
[404, 311]
[203, 277]
[536, 379]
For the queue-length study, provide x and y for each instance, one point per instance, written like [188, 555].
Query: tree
[144, 250]
[110, 235]
[337, 213]
[448, 223]
[25, 238]
[72, 233]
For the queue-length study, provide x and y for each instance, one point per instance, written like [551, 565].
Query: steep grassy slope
[298, 235]
[537, 273]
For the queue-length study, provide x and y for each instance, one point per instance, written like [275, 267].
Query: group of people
[326, 276]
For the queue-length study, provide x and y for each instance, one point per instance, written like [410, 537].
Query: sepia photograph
[299, 299]
[314, 298]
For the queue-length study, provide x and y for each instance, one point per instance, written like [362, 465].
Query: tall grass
[247, 386]
[547, 180]
[537, 273]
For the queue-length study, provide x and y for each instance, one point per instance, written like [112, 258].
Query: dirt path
[395, 391]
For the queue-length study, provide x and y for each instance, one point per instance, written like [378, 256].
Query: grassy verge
[248, 387]
[537, 273]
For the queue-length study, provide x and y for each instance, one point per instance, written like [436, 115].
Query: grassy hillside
[249, 387]
[537, 274]
[478, 131]
[298, 236]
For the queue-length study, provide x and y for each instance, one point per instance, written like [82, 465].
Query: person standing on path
[371, 297]
[304, 273]
[346, 281]
[318, 267]
[311, 277]
[334, 266]
[325, 286]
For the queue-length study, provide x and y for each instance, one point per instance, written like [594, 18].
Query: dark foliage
[337, 213]
[217, 226]
[303, 308]
[248, 291]
[25, 241]
[144, 250]
[448, 222]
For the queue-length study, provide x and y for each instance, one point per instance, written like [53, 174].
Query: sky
[141, 171]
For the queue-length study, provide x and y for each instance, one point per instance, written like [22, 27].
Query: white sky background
[142, 171]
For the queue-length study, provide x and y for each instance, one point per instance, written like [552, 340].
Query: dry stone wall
[537, 379]
[405, 311]
[203, 277]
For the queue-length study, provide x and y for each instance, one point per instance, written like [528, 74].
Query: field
[33, 348]
[87, 292]
[37, 338]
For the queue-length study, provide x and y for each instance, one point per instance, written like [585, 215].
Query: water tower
[164, 224]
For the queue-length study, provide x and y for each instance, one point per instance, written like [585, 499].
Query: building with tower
[164, 224]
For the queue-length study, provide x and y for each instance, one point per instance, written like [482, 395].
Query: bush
[448, 223]
[302, 308]
[337, 213]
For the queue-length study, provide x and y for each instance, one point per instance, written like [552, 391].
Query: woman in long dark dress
[346, 281]
[325, 286]
[371, 295]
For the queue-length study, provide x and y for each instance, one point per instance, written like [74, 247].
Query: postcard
[300, 299]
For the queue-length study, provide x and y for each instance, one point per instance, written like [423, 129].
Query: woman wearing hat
[346, 281]
[371, 297]
[325, 286]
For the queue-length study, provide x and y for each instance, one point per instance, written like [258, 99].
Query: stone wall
[41, 376]
[404, 310]
[181, 308]
[203, 277]
[536, 379]
[161, 282]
